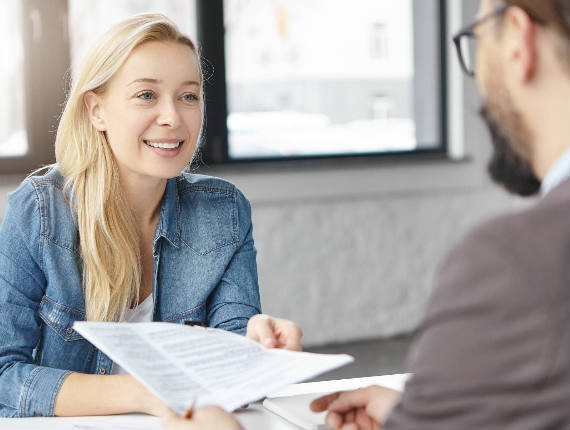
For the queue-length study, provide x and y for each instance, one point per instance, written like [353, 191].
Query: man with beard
[494, 349]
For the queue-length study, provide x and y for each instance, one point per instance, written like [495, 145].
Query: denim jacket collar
[169, 219]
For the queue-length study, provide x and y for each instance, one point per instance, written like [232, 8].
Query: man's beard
[506, 166]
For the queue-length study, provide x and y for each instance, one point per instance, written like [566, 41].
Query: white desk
[254, 417]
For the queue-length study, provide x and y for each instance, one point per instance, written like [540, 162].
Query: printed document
[180, 363]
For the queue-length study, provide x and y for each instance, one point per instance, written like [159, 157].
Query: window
[286, 79]
[33, 39]
[13, 136]
[382, 107]
[88, 19]
[379, 47]
[321, 78]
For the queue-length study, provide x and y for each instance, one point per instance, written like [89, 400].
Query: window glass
[326, 77]
[13, 136]
[88, 19]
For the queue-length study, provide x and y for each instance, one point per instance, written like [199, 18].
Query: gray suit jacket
[494, 349]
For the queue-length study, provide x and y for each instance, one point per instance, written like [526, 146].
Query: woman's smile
[164, 147]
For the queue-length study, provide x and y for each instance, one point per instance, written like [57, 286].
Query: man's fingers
[334, 420]
[350, 416]
[322, 403]
[350, 399]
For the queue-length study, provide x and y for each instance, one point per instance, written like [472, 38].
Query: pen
[188, 411]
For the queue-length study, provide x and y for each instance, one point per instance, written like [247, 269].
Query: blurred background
[348, 125]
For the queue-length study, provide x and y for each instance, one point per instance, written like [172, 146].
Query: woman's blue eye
[189, 97]
[147, 95]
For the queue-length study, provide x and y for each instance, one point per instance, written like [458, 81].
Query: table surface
[253, 417]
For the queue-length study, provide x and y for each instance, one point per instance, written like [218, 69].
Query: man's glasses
[466, 40]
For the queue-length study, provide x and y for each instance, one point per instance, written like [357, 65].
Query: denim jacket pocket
[209, 220]
[60, 318]
[194, 316]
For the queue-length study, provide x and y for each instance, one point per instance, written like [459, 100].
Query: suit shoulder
[516, 251]
[546, 224]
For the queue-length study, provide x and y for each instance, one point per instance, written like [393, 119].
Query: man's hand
[366, 408]
[208, 417]
[274, 332]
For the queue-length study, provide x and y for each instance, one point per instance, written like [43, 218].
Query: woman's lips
[164, 147]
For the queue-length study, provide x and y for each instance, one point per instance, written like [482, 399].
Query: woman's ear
[94, 109]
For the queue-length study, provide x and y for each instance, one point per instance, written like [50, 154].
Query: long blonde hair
[108, 237]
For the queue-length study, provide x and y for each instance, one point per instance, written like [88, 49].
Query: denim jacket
[204, 271]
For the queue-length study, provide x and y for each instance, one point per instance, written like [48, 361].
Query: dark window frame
[214, 149]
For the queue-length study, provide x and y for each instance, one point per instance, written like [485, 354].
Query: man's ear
[94, 109]
[521, 53]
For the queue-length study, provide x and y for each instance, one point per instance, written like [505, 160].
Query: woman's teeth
[163, 145]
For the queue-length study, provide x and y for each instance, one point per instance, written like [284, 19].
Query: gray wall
[348, 251]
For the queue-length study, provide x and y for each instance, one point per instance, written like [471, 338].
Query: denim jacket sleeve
[25, 388]
[236, 298]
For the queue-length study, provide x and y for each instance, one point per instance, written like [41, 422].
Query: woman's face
[150, 111]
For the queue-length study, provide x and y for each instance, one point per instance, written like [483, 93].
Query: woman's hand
[366, 408]
[274, 332]
[208, 417]
[146, 401]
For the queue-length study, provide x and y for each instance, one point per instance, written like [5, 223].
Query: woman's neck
[143, 195]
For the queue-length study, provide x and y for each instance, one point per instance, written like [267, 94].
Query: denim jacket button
[102, 371]
[69, 331]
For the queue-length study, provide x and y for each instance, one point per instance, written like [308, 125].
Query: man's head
[523, 71]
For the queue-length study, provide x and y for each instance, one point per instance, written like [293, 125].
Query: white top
[142, 313]
[557, 174]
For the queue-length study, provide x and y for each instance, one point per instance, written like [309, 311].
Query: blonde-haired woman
[115, 232]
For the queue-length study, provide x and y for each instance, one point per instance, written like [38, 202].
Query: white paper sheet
[178, 363]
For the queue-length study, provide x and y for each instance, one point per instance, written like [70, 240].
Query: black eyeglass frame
[469, 31]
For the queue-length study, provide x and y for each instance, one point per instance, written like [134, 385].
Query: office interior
[348, 237]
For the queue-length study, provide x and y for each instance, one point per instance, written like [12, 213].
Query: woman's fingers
[288, 334]
[261, 328]
[274, 332]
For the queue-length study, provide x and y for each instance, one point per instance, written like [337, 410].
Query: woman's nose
[168, 114]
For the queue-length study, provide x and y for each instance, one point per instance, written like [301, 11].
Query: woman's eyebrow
[196, 83]
[158, 81]
[149, 80]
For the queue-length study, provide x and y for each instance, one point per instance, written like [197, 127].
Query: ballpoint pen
[189, 409]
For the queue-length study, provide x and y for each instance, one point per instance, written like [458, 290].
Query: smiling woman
[117, 231]
[131, 88]
[152, 107]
